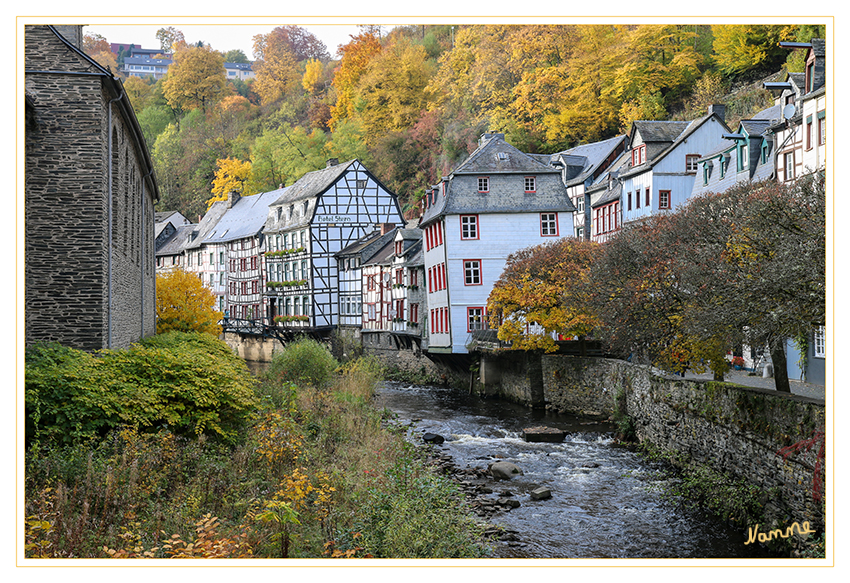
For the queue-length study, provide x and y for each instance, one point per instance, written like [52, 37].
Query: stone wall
[732, 429]
[392, 352]
[67, 205]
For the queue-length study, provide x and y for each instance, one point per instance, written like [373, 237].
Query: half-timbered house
[497, 201]
[319, 215]
[229, 258]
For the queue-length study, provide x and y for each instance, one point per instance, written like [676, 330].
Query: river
[607, 501]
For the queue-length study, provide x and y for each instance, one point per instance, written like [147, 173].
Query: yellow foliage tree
[355, 59]
[312, 75]
[184, 304]
[196, 79]
[232, 175]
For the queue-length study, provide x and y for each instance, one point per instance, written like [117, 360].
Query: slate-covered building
[497, 201]
[90, 192]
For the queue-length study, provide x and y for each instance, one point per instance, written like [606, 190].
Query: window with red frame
[399, 309]
[414, 312]
[253, 262]
[469, 227]
[398, 246]
[647, 197]
[530, 184]
[243, 264]
[664, 199]
[549, 224]
[244, 288]
[413, 276]
[370, 283]
[472, 272]
[639, 155]
[399, 276]
[475, 319]
[253, 286]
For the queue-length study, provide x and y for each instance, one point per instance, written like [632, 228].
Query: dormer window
[706, 172]
[743, 156]
[306, 206]
[502, 156]
[291, 210]
[483, 184]
[765, 148]
[530, 184]
[639, 155]
[279, 212]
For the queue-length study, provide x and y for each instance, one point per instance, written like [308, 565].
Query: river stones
[543, 434]
[541, 493]
[433, 438]
[504, 470]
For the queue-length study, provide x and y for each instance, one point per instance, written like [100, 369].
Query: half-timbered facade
[319, 215]
[407, 271]
[229, 258]
[606, 202]
[378, 308]
[664, 159]
[499, 200]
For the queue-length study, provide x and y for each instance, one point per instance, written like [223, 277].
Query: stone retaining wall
[732, 429]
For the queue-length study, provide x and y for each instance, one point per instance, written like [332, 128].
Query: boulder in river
[433, 438]
[504, 470]
[541, 493]
[543, 434]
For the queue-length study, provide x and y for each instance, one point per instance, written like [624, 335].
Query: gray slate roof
[245, 219]
[178, 242]
[312, 184]
[208, 223]
[588, 157]
[660, 131]
[486, 159]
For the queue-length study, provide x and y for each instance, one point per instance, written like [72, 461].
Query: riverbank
[314, 473]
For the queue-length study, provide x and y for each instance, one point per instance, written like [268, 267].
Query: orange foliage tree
[355, 59]
[541, 293]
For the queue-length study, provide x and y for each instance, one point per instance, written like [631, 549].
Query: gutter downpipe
[109, 220]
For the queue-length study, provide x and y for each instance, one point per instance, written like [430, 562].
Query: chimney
[332, 162]
[387, 227]
[232, 198]
[487, 137]
[719, 109]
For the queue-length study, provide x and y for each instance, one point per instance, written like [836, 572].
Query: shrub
[191, 383]
[303, 362]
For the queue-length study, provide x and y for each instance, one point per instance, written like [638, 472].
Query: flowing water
[606, 502]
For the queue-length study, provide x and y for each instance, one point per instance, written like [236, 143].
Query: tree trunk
[780, 365]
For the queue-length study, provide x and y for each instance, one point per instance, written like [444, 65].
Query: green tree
[170, 39]
[235, 56]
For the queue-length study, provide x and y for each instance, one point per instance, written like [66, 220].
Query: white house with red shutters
[498, 201]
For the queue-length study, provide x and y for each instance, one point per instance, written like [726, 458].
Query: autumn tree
[739, 48]
[170, 39]
[183, 304]
[355, 60]
[299, 42]
[235, 56]
[542, 292]
[312, 79]
[276, 68]
[231, 176]
[196, 79]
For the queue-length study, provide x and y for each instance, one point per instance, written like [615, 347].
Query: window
[469, 226]
[399, 309]
[253, 286]
[809, 132]
[475, 319]
[200, 259]
[361, 184]
[629, 207]
[305, 304]
[304, 270]
[530, 184]
[371, 313]
[398, 247]
[243, 264]
[253, 262]
[580, 204]
[664, 199]
[472, 272]
[305, 207]
[399, 276]
[821, 129]
[212, 258]
[647, 197]
[548, 224]
[705, 174]
[414, 312]
[483, 184]
[789, 166]
[580, 233]
[745, 157]
[188, 260]
[211, 279]
[221, 257]
[370, 283]
[637, 199]
[286, 276]
[413, 275]
[244, 288]
[297, 306]
[820, 342]
[221, 278]
[691, 165]
[639, 155]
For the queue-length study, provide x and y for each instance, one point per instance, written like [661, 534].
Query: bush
[303, 362]
[189, 382]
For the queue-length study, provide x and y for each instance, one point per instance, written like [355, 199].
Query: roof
[367, 246]
[589, 157]
[461, 197]
[657, 129]
[383, 256]
[178, 241]
[494, 155]
[312, 184]
[245, 218]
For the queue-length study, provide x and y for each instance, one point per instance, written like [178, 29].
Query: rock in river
[504, 470]
[541, 493]
[433, 438]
